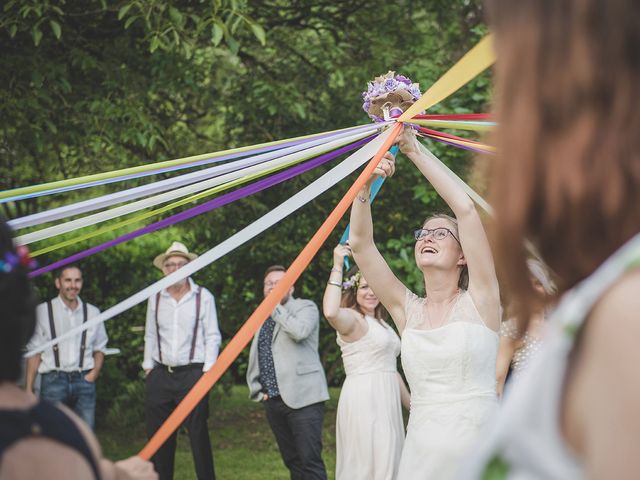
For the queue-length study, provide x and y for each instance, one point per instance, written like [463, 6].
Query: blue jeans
[71, 389]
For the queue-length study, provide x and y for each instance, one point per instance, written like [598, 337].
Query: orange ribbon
[257, 318]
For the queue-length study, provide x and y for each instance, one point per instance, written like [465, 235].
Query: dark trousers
[164, 390]
[73, 390]
[298, 432]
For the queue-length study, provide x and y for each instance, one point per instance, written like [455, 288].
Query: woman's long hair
[349, 298]
[567, 170]
[18, 309]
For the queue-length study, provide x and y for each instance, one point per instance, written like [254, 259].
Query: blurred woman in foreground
[39, 439]
[567, 177]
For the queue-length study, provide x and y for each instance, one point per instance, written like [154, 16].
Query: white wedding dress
[369, 428]
[451, 371]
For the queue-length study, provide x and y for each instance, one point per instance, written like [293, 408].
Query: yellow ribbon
[476, 60]
[455, 124]
[481, 146]
[145, 168]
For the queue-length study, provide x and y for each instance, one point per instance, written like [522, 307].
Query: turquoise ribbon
[375, 188]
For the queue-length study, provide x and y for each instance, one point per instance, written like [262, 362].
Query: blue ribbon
[375, 188]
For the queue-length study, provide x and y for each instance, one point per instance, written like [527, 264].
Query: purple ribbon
[463, 147]
[164, 185]
[205, 207]
[196, 163]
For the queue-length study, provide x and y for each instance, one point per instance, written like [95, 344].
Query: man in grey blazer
[286, 375]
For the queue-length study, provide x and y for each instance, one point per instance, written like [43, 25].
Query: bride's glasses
[439, 233]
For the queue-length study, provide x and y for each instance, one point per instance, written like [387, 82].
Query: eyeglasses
[438, 233]
[170, 265]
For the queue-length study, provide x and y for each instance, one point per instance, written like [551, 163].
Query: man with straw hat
[181, 341]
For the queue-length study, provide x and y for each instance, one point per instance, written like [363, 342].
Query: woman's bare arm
[483, 282]
[505, 355]
[405, 396]
[600, 411]
[345, 321]
[132, 468]
[389, 290]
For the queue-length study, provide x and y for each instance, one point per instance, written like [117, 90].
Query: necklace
[451, 304]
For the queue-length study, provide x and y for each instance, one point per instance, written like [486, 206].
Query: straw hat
[176, 249]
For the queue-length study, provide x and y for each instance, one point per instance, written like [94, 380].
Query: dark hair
[463, 279]
[274, 268]
[566, 174]
[18, 311]
[60, 271]
[349, 299]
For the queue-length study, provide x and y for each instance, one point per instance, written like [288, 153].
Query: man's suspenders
[83, 342]
[158, 328]
[195, 327]
[52, 327]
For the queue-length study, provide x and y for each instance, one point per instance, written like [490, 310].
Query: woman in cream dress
[369, 428]
[449, 337]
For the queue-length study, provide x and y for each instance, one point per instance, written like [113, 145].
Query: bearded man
[68, 370]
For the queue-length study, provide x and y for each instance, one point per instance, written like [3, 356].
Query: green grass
[243, 446]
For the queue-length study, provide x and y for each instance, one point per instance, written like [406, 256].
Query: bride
[449, 337]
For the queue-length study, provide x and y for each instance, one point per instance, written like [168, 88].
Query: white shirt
[68, 350]
[176, 320]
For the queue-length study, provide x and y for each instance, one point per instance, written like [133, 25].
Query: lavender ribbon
[196, 163]
[86, 206]
[463, 147]
[205, 207]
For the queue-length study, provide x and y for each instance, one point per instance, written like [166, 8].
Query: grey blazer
[294, 345]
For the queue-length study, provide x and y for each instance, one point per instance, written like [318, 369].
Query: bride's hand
[408, 142]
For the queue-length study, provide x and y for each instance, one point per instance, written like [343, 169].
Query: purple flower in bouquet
[377, 91]
[390, 85]
[384, 85]
[403, 79]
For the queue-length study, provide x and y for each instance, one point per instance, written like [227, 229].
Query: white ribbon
[475, 196]
[108, 200]
[304, 196]
[88, 220]
[468, 190]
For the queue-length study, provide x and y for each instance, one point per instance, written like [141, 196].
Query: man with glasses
[286, 375]
[181, 342]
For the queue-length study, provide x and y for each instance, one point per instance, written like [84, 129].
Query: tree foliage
[92, 86]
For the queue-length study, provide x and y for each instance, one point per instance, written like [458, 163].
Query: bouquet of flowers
[390, 92]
